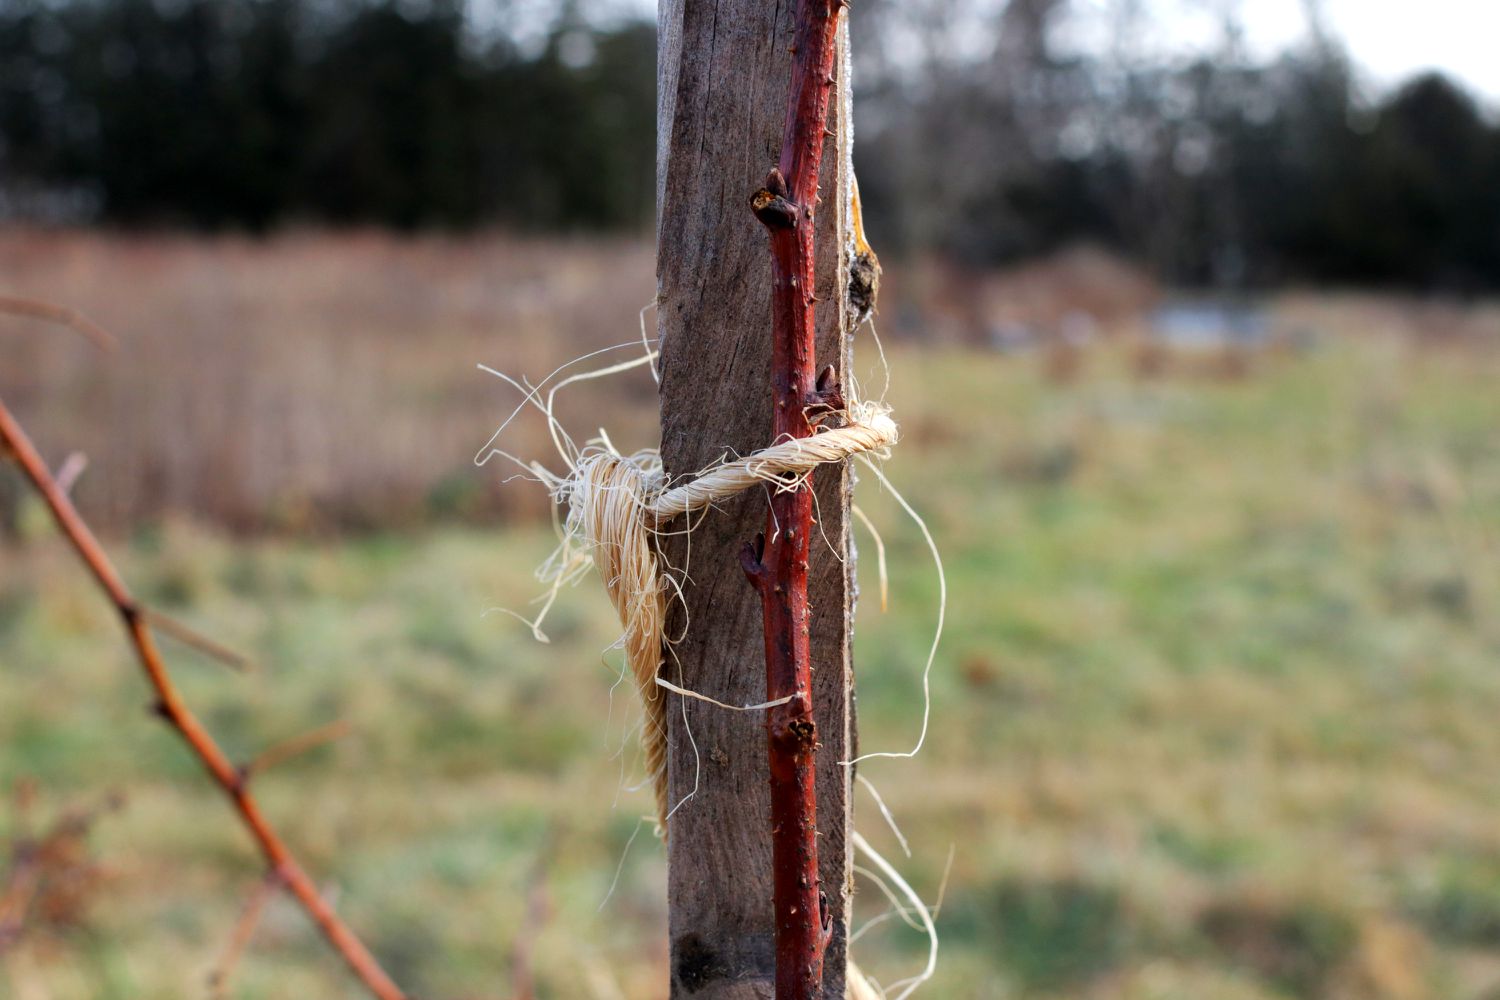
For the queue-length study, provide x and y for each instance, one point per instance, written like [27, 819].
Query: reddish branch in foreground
[778, 567]
[234, 782]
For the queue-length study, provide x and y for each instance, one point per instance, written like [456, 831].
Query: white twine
[617, 504]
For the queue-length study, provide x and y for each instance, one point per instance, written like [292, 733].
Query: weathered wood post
[723, 76]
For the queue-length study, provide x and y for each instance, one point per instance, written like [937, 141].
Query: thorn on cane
[827, 397]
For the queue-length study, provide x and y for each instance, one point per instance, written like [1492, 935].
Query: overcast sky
[1389, 39]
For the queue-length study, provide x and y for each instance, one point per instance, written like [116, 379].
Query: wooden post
[724, 70]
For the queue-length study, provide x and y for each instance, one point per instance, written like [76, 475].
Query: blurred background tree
[249, 113]
[985, 134]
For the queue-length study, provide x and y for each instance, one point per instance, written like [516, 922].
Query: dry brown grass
[312, 380]
[307, 380]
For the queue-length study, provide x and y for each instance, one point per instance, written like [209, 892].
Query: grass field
[1215, 718]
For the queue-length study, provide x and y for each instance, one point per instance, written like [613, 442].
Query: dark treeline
[1220, 171]
[254, 112]
[1215, 171]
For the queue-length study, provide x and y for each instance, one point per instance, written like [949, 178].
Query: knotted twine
[617, 505]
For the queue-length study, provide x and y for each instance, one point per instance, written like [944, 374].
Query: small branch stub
[771, 206]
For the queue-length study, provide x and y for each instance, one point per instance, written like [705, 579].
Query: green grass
[1215, 718]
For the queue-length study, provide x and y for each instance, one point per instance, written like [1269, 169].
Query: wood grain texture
[722, 79]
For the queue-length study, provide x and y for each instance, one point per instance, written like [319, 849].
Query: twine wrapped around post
[616, 506]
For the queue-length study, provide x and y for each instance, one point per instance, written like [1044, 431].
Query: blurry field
[305, 382]
[1215, 718]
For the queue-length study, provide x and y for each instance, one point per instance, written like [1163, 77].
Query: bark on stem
[777, 563]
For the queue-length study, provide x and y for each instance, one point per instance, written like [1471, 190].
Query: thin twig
[20, 881]
[289, 748]
[244, 932]
[61, 315]
[193, 639]
[73, 467]
[538, 913]
[172, 709]
[15, 902]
